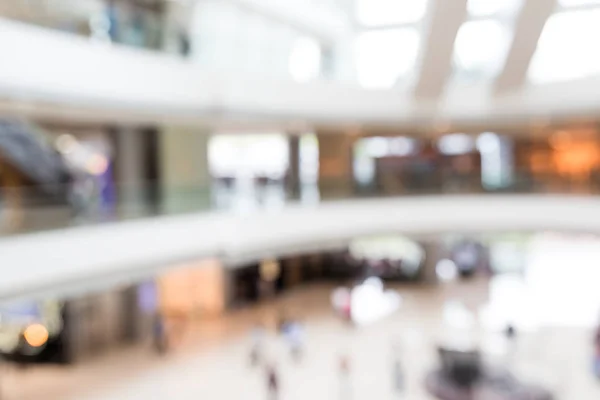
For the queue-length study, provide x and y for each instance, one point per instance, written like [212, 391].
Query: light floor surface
[213, 361]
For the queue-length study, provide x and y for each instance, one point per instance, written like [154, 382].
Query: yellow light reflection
[36, 335]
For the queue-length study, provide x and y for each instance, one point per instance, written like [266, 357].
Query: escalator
[27, 151]
[34, 180]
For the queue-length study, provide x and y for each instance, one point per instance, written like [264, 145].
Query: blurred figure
[282, 321]
[258, 339]
[344, 367]
[294, 336]
[272, 383]
[398, 373]
[159, 334]
[341, 302]
[510, 332]
[597, 352]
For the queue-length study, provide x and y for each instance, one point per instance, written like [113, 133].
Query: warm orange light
[561, 140]
[36, 335]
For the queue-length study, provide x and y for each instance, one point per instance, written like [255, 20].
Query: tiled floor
[214, 362]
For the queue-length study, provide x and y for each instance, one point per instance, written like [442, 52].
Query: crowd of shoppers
[292, 333]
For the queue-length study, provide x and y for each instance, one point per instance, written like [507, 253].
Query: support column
[293, 276]
[293, 177]
[335, 164]
[11, 186]
[184, 174]
[131, 188]
[433, 251]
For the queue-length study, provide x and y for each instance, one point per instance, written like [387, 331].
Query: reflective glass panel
[385, 55]
[481, 48]
[489, 8]
[567, 47]
[389, 12]
[305, 60]
[578, 3]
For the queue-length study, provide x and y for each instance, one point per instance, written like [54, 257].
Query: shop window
[455, 144]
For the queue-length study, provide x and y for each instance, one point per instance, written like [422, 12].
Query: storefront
[194, 290]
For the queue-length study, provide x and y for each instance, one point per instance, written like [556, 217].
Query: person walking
[597, 352]
[159, 334]
[398, 376]
[344, 368]
[294, 336]
[258, 339]
[272, 383]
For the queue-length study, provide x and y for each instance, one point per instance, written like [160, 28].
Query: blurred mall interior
[292, 199]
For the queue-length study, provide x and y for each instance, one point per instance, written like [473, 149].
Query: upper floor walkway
[85, 258]
[56, 76]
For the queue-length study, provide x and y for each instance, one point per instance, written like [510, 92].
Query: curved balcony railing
[29, 209]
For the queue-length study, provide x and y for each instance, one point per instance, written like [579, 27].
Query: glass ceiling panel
[480, 49]
[305, 60]
[389, 12]
[491, 8]
[567, 48]
[578, 3]
[383, 56]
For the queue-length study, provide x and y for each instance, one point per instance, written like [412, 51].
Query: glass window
[305, 60]
[496, 160]
[384, 56]
[402, 146]
[255, 44]
[481, 48]
[567, 47]
[389, 12]
[248, 155]
[456, 143]
[488, 8]
[377, 146]
[309, 158]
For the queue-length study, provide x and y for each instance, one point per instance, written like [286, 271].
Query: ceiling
[430, 65]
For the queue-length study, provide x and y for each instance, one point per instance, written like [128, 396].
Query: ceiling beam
[437, 46]
[527, 32]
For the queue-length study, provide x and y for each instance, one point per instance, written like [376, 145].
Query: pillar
[293, 275]
[433, 253]
[335, 164]
[294, 182]
[130, 168]
[11, 187]
[184, 174]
